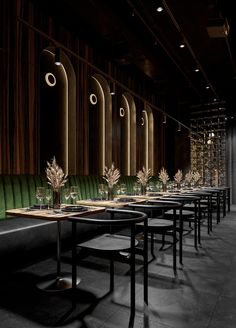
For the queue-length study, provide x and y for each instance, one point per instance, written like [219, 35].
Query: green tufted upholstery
[88, 185]
[19, 190]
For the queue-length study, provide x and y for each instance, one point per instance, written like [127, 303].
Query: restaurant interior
[117, 164]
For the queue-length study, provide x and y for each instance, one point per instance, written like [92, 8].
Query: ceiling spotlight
[164, 119]
[182, 45]
[196, 69]
[113, 89]
[207, 87]
[160, 9]
[57, 56]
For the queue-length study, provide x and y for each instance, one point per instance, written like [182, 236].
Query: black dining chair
[155, 210]
[204, 207]
[187, 215]
[110, 244]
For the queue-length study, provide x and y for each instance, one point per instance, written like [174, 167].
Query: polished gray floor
[202, 295]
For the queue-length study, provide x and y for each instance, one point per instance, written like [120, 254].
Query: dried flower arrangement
[178, 176]
[55, 175]
[163, 176]
[189, 176]
[144, 176]
[196, 176]
[111, 175]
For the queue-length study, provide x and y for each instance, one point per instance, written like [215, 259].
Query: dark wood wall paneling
[20, 96]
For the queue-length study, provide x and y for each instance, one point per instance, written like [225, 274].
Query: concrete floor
[202, 295]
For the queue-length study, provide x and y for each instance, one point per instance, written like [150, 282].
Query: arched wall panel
[100, 125]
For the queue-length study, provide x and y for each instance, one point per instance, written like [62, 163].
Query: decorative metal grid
[208, 145]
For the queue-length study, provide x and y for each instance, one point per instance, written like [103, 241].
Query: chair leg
[163, 241]
[180, 237]
[132, 279]
[111, 275]
[145, 264]
[195, 232]
[199, 230]
[152, 245]
[74, 266]
[174, 242]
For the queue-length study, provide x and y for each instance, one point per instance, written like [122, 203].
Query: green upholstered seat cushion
[18, 191]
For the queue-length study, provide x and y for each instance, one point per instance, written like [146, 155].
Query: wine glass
[48, 196]
[136, 188]
[123, 189]
[102, 190]
[74, 192]
[67, 194]
[151, 187]
[40, 195]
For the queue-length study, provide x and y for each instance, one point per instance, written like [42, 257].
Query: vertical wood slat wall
[20, 96]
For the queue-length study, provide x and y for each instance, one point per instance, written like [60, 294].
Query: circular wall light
[122, 112]
[50, 79]
[93, 99]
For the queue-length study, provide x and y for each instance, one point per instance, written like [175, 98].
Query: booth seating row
[22, 238]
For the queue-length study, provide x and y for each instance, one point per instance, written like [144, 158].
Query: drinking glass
[67, 194]
[136, 188]
[40, 195]
[102, 190]
[123, 189]
[151, 187]
[74, 192]
[48, 196]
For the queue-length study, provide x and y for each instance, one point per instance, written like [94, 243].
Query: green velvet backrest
[18, 191]
[87, 184]
[131, 180]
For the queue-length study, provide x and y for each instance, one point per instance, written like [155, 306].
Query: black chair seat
[185, 213]
[192, 206]
[108, 243]
[158, 223]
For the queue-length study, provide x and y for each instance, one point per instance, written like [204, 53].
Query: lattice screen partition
[208, 145]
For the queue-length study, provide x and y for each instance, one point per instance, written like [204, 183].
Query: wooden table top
[116, 203]
[52, 214]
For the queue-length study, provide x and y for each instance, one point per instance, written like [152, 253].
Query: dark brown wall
[20, 93]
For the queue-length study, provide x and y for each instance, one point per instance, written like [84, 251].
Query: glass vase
[56, 199]
[110, 193]
[164, 187]
[143, 190]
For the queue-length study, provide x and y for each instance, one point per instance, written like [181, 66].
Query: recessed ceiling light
[207, 87]
[196, 69]
[159, 9]
[182, 45]
[58, 56]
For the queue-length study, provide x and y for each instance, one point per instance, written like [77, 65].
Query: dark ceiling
[135, 36]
